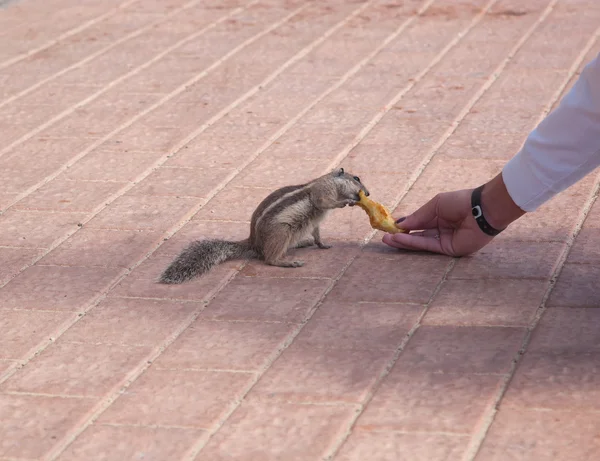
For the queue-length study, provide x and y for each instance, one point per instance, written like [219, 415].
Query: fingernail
[400, 220]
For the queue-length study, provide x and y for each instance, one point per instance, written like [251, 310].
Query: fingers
[418, 241]
[435, 233]
[424, 218]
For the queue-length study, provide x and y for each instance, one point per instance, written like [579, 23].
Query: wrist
[497, 205]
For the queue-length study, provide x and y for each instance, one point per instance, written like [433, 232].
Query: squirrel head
[348, 184]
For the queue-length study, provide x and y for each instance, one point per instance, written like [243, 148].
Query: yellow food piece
[379, 217]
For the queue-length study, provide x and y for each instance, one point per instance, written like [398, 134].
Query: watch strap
[478, 213]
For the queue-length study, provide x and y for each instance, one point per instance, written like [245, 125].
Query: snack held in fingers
[379, 217]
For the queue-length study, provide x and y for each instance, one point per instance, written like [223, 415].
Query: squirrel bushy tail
[201, 256]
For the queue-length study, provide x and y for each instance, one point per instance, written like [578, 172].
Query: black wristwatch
[478, 213]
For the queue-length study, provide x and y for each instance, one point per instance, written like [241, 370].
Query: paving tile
[576, 287]
[391, 446]
[304, 374]
[321, 134]
[487, 145]
[181, 182]
[559, 381]
[270, 431]
[55, 287]
[445, 175]
[399, 130]
[6, 200]
[585, 248]
[30, 425]
[36, 229]
[127, 442]
[359, 326]
[238, 346]
[73, 196]
[317, 262]
[567, 330]
[501, 108]
[136, 322]
[58, 95]
[264, 299]
[87, 370]
[507, 258]
[13, 259]
[528, 434]
[143, 282]
[105, 114]
[18, 120]
[449, 349]
[29, 163]
[591, 54]
[437, 402]
[216, 148]
[6, 364]
[440, 98]
[592, 220]
[555, 220]
[23, 330]
[377, 160]
[106, 68]
[140, 140]
[233, 203]
[158, 76]
[143, 213]
[271, 172]
[200, 230]
[103, 164]
[394, 283]
[102, 247]
[188, 398]
[500, 302]
[562, 16]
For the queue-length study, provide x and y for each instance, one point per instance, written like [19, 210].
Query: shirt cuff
[522, 183]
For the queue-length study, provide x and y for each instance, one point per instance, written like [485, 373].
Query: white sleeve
[562, 149]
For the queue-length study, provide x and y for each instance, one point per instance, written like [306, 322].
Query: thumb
[424, 218]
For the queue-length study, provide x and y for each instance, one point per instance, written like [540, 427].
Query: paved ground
[128, 128]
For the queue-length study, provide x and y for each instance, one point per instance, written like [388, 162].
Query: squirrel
[285, 219]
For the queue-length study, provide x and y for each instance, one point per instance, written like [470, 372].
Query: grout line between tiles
[100, 52]
[146, 173]
[6, 374]
[479, 437]
[489, 82]
[111, 396]
[371, 392]
[135, 71]
[114, 393]
[67, 34]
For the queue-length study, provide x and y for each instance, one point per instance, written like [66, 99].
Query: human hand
[443, 225]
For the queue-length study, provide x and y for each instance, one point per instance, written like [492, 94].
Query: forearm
[562, 149]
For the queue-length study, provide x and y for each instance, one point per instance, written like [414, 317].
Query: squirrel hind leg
[317, 238]
[304, 243]
[276, 248]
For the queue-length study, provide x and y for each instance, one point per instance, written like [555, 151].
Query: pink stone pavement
[129, 128]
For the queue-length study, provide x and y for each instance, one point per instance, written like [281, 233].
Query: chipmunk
[285, 219]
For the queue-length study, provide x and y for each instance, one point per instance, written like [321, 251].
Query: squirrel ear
[340, 171]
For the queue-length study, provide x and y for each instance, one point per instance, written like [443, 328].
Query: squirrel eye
[356, 178]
